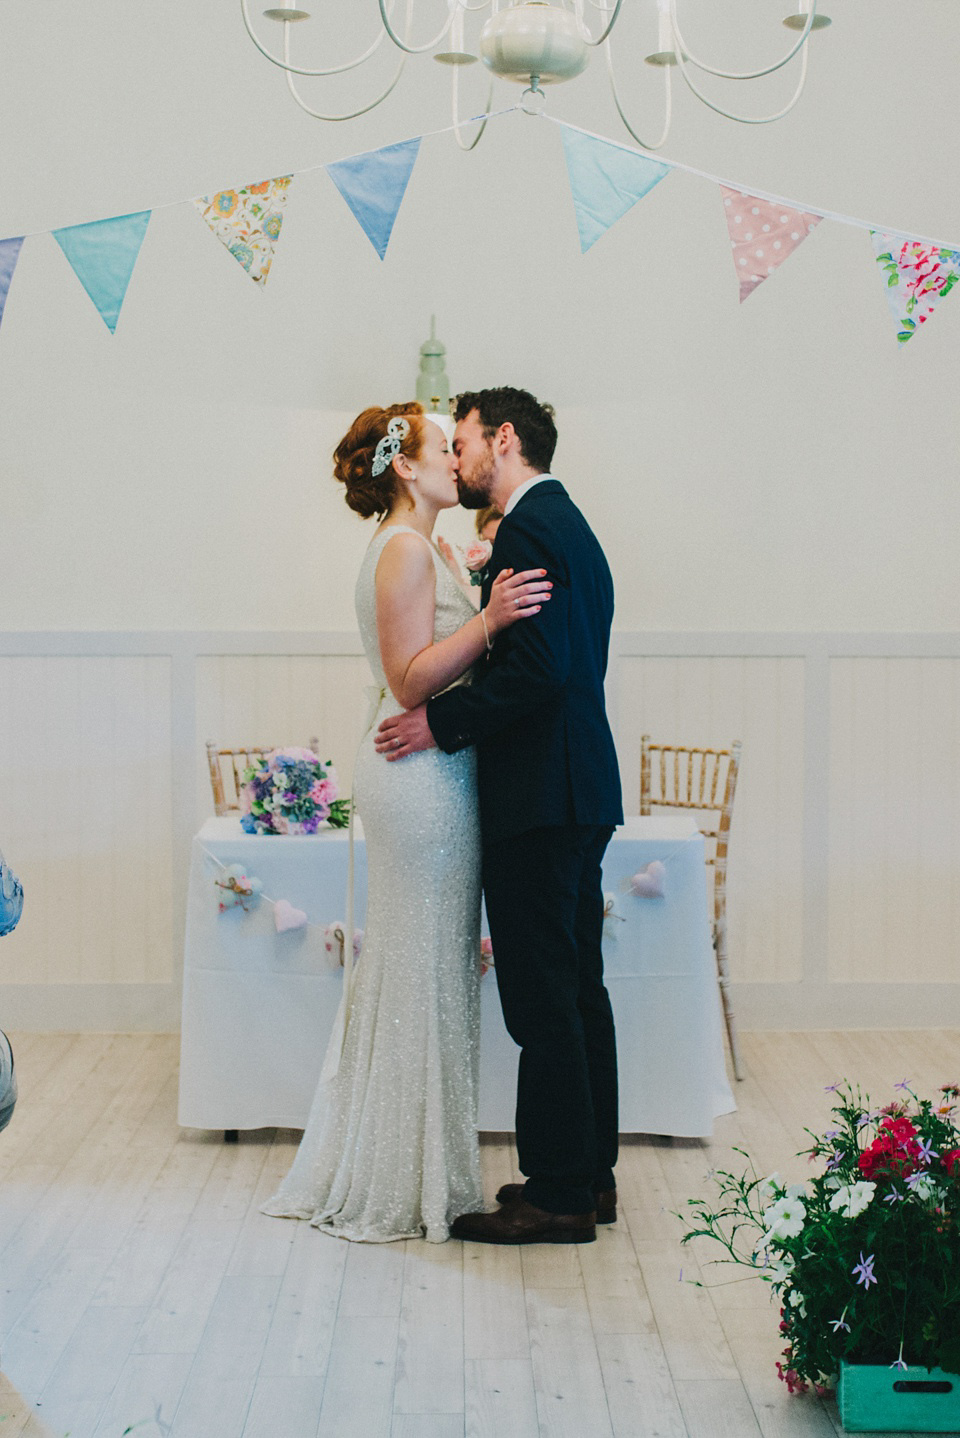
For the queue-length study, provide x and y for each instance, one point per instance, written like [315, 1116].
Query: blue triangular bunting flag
[9, 254]
[374, 184]
[103, 254]
[606, 180]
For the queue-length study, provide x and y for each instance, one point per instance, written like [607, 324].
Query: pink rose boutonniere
[476, 557]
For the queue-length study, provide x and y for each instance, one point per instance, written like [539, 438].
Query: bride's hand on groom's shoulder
[516, 596]
[404, 734]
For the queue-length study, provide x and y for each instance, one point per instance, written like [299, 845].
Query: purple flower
[863, 1120]
[903, 1084]
[838, 1323]
[895, 1196]
[864, 1270]
[926, 1150]
[835, 1159]
[898, 1363]
[832, 1133]
[831, 1088]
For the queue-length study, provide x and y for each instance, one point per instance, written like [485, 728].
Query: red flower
[892, 1152]
[951, 1162]
[900, 1127]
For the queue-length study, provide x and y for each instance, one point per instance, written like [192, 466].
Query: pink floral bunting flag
[762, 234]
[918, 275]
[248, 222]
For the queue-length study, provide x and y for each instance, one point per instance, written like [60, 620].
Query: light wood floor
[141, 1286]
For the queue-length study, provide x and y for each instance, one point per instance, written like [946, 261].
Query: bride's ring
[397, 743]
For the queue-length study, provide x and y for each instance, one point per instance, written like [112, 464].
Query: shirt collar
[521, 490]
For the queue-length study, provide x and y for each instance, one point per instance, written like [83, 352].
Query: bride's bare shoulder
[406, 557]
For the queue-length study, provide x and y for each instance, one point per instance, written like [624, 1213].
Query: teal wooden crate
[875, 1399]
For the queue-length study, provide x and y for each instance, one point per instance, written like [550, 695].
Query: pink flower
[477, 555]
[323, 791]
[280, 824]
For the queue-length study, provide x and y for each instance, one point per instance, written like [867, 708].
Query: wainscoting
[844, 883]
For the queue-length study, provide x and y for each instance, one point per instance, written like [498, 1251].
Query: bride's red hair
[366, 492]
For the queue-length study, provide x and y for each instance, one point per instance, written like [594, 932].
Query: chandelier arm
[613, 20]
[683, 52]
[668, 113]
[416, 49]
[317, 115]
[455, 106]
[295, 69]
[749, 119]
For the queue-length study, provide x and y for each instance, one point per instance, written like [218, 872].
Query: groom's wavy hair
[532, 421]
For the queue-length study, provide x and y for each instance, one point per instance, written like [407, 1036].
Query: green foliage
[864, 1257]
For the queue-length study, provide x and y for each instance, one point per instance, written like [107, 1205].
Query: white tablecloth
[258, 1006]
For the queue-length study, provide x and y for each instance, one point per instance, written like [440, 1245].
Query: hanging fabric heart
[285, 916]
[650, 881]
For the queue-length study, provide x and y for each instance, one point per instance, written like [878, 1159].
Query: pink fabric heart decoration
[650, 881]
[285, 916]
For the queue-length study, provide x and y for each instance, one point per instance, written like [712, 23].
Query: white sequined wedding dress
[390, 1149]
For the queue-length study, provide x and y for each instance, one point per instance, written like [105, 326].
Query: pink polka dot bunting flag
[762, 234]
[919, 275]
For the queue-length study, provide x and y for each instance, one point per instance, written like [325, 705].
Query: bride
[390, 1149]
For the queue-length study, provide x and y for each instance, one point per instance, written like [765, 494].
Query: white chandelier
[535, 43]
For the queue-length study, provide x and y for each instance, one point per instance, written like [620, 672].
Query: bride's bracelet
[486, 631]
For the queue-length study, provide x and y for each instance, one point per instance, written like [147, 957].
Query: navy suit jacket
[535, 710]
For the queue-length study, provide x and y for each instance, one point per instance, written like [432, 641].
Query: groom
[549, 801]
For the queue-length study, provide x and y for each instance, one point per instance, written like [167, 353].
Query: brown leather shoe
[606, 1202]
[522, 1223]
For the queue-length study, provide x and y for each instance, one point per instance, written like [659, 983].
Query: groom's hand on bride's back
[404, 734]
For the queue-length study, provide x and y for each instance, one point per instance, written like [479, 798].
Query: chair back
[701, 781]
[227, 767]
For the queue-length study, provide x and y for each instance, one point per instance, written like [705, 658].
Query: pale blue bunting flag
[9, 254]
[373, 185]
[103, 254]
[605, 180]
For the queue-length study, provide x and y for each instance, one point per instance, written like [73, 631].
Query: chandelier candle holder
[535, 43]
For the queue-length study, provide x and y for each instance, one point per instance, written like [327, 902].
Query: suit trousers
[544, 900]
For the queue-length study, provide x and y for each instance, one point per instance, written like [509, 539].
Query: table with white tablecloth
[258, 1004]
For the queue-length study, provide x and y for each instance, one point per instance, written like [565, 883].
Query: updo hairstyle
[367, 493]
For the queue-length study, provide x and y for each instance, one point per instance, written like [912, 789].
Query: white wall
[776, 468]
[776, 465]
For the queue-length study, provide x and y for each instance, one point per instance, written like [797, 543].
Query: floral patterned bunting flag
[248, 222]
[763, 233]
[918, 275]
[9, 254]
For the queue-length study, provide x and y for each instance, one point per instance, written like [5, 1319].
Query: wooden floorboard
[141, 1284]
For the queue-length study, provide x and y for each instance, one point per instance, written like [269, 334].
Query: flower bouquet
[864, 1257]
[289, 791]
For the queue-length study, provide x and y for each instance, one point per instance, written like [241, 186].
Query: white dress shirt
[521, 490]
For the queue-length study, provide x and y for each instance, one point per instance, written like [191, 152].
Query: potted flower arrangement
[289, 791]
[864, 1258]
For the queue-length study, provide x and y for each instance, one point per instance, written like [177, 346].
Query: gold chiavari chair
[227, 768]
[702, 780]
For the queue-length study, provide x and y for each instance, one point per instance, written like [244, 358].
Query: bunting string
[607, 178]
